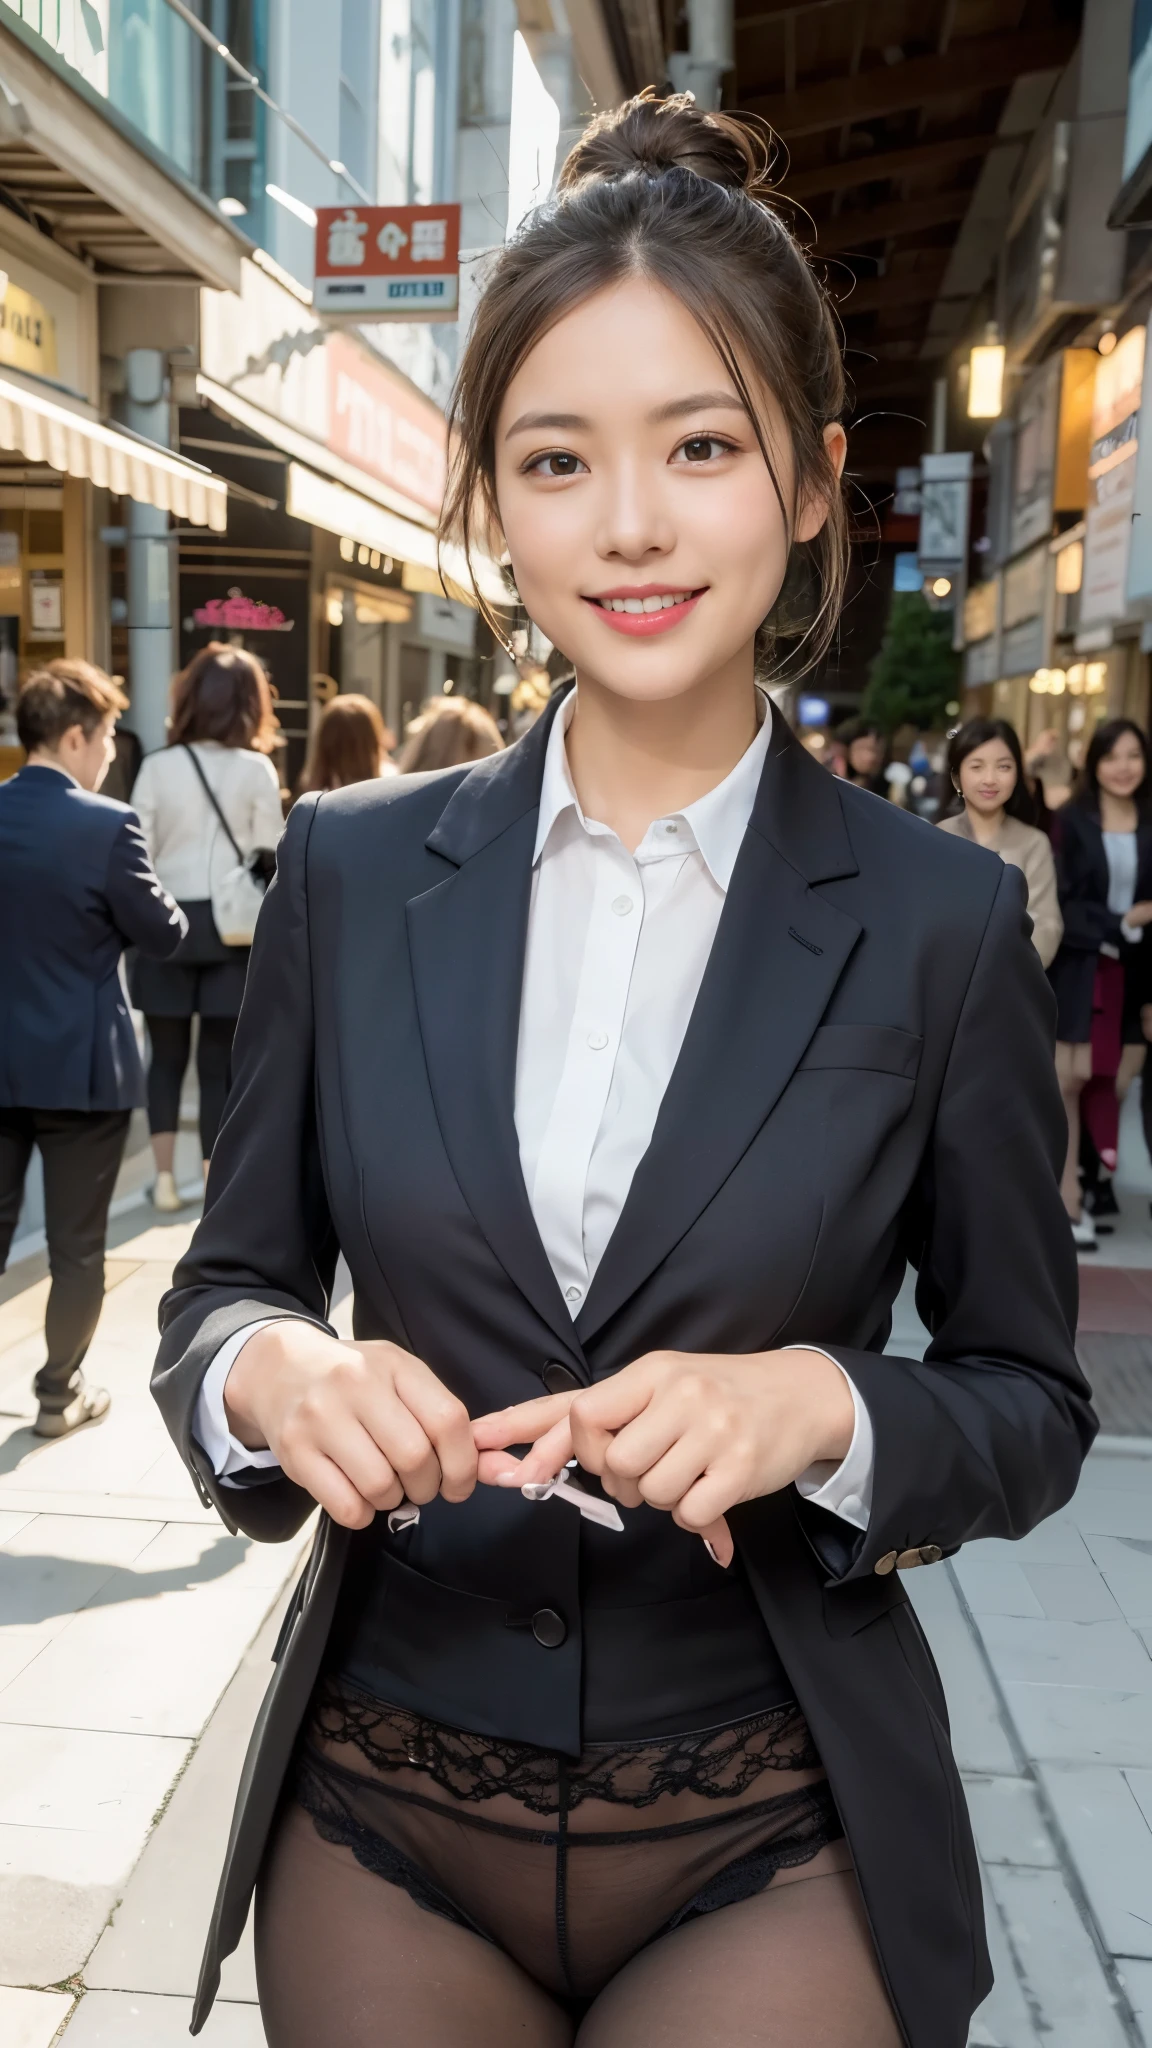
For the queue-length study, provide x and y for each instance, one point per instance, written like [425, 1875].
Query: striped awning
[72, 442]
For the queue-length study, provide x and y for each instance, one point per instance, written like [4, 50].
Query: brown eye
[558, 462]
[699, 449]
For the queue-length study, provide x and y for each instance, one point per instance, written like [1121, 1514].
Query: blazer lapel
[466, 940]
[779, 951]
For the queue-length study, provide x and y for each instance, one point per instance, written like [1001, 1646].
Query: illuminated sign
[239, 614]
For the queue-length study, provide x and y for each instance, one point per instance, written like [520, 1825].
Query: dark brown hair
[659, 189]
[449, 732]
[61, 695]
[1086, 794]
[223, 695]
[348, 745]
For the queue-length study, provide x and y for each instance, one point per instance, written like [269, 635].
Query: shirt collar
[715, 824]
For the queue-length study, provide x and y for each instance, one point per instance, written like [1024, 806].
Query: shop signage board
[1035, 457]
[383, 425]
[237, 613]
[946, 487]
[388, 262]
[1112, 480]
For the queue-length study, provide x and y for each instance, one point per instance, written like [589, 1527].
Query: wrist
[254, 1362]
[827, 1406]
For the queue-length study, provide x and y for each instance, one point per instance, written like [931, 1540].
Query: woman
[1103, 844]
[685, 1046]
[351, 744]
[448, 732]
[220, 733]
[986, 771]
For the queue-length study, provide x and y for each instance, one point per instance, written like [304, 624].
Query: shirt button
[597, 1040]
[549, 1628]
[622, 905]
[852, 1504]
[559, 1379]
[573, 1293]
[671, 828]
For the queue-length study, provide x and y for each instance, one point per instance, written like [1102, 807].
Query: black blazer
[867, 1077]
[1082, 883]
[76, 887]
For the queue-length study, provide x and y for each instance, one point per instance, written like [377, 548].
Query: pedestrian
[76, 888]
[864, 748]
[448, 732]
[623, 1067]
[208, 802]
[1102, 838]
[351, 743]
[987, 773]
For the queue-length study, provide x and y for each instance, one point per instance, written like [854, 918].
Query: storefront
[342, 465]
[63, 471]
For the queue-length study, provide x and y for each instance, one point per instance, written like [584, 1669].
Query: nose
[634, 522]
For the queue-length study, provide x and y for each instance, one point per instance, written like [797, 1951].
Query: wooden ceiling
[893, 113]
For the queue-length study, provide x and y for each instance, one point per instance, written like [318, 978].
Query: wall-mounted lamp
[941, 586]
[986, 376]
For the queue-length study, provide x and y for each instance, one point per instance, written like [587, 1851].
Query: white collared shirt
[617, 945]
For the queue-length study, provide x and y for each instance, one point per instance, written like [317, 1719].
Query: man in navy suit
[76, 887]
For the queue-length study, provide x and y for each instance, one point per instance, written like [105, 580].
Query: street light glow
[986, 381]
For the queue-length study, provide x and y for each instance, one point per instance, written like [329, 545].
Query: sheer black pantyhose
[613, 1900]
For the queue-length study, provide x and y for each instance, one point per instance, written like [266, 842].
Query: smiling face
[1121, 771]
[647, 538]
[987, 777]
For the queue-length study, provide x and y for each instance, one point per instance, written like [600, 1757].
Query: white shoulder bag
[238, 893]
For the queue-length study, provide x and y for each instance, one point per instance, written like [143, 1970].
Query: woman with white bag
[209, 803]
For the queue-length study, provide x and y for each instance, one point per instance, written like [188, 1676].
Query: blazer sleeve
[1088, 922]
[987, 1435]
[265, 1245]
[140, 906]
[1043, 901]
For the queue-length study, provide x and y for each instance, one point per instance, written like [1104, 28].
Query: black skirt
[203, 977]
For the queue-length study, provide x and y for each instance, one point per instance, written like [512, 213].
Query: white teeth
[653, 604]
[632, 604]
[663, 603]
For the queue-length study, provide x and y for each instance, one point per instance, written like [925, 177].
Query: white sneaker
[166, 1195]
[1084, 1232]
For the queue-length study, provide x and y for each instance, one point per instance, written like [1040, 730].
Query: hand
[1140, 914]
[690, 1433]
[358, 1426]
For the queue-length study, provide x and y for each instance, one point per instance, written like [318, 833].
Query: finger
[447, 1425]
[665, 1483]
[641, 1444]
[706, 1501]
[548, 1456]
[521, 1424]
[352, 1448]
[718, 1537]
[403, 1441]
[330, 1488]
[498, 1468]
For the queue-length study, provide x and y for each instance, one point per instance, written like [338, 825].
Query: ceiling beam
[842, 175]
[879, 223]
[875, 294]
[975, 65]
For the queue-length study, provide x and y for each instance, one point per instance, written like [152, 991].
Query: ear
[814, 510]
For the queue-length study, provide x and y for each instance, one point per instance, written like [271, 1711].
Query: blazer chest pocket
[869, 1048]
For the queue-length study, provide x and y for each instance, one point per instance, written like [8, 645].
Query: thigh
[214, 1049]
[1131, 1063]
[1073, 1066]
[343, 1956]
[81, 1152]
[794, 1965]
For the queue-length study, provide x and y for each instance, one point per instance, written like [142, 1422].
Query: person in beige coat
[987, 773]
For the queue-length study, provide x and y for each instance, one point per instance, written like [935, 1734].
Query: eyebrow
[677, 408]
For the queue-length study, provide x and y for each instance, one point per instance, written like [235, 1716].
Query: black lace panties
[572, 1865]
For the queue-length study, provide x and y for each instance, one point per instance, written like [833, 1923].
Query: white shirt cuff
[226, 1453]
[844, 1489]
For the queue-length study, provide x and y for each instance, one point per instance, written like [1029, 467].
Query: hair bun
[649, 136]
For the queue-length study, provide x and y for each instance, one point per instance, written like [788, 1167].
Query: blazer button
[930, 1553]
[886, 1564]
[558, 1378]
[549, 1628]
